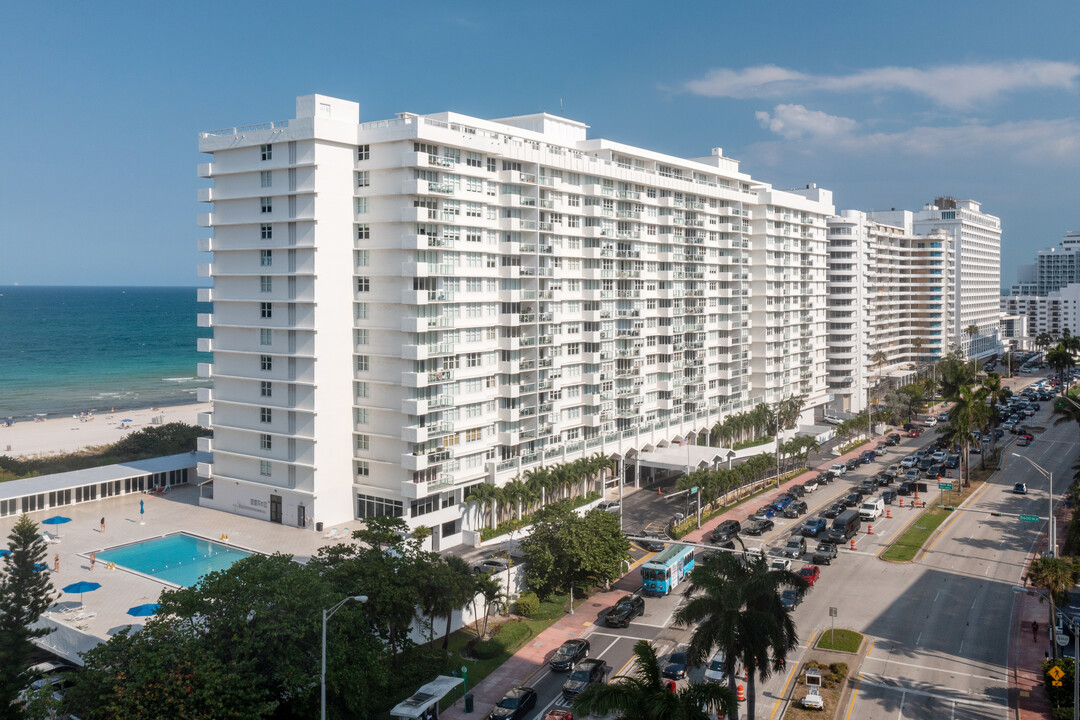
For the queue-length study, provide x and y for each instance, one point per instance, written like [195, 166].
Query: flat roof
[104, 473]
[428, 695]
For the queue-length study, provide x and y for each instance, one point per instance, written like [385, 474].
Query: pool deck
[175, 511]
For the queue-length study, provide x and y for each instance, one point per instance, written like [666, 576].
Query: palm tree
[917, 345]
[953, 374]
[1066, 410]
[643, 695]
[1043, 340]
[736, 608]
[1053, 575]
[491, 590]
[484, 495]
[1060, 359]
[972, 332]
[968, 414]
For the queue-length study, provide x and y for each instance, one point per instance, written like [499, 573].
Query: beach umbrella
[81, 587]
[4, 553]
[56, 520]
[126, 420]
[41, 567]
[143, 610]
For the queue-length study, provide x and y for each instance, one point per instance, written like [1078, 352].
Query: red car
[915, 433]
[559, 715]
[810, 574]
[1028, 436]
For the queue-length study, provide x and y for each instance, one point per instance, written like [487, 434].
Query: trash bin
[318, 526]
[468, 703]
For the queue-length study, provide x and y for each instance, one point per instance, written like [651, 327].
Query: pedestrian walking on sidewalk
[1034, 631]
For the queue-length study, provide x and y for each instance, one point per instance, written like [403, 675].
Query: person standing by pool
[56, 563]
[103, 525]
[93, 559]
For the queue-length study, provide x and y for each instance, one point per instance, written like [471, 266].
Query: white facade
[1052, 313]
[886, 294]
[1052, 270]
[973, 269]
[409, 307]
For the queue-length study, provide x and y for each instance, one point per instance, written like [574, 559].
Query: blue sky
[887, 104]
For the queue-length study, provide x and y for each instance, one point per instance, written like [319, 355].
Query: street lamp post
[326, 615]
[1051, 533]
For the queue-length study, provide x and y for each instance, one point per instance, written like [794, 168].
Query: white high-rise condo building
[972, 269]
[886, 305]
[1052, 270]
[406, 308]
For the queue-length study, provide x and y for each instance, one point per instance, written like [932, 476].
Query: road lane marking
[811, 640]
[900, 714]
[854, 694]
[936, 670]
[627, 637]
[988, 703]
[948, 521]
[783, 691]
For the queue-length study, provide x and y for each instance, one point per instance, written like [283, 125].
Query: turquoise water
[68, 349]
[180, 559]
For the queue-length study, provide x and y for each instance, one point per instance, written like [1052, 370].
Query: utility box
[812, 677]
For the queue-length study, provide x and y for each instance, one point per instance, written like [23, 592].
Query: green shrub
[486, 649]
[527, 604]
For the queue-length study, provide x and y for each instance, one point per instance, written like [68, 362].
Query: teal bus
[664, 572]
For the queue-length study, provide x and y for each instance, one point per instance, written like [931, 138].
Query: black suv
[795, 509]
[725, 531]
[628, 608]
[893, 439]
[824, 478]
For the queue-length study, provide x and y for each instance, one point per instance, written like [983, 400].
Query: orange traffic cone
[870, 529]
[901, 502]
[888, 512]
[740, 693]
[852, 544]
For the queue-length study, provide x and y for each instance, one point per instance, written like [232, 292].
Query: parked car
[790, 599]
[491, 566]
[853, 464]
[654, 543]
[930, 421]
[725, 531]
[780, 563]
[514, 705]
[622, 612]
[764, 512]
[814, 527]
[611, 506]
[758, 527]
[824, 478]
[797, 491]
[795, 548]
[832, 420]
[569, 653]
[781, 502]
[916, 432]
[675, 668]
[810, 573]
[795, 509]
[585, 674]
[838, 469]
[810, 486]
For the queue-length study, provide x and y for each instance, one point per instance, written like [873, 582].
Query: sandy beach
[70, 434]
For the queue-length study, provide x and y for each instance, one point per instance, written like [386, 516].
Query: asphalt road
[940, 627]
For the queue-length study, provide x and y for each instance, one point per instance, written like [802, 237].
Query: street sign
[944, 486]
[1029, 518]
[693, 490]
[1056, 683]
[832, 612]
[1056, 672]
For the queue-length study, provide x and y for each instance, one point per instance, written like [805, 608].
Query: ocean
[72, 349]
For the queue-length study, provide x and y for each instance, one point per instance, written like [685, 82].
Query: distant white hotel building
[409, 307]
[1053, 313]
[972, 267]
[1052, 270]
[887, 293]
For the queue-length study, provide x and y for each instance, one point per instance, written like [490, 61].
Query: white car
[609, 505]
[832, 419]
[939, 456]
[838, 469]
[780, 564]
[909, 462]
[943, 417]
[930, 422]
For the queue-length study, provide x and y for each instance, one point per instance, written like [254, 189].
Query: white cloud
[953, 86]
[795, 121]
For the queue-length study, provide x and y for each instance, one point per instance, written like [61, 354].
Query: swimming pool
[180, 559]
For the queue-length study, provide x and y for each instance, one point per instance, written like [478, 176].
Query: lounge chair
[84, 616]
[331, 534]
[49, 538]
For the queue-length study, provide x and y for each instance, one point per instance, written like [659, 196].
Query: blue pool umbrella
[81, 587]
[56, 520]
[143, 610]
[5, 552]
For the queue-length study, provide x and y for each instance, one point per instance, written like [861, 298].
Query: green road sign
[944, 486]
[1029, 518]
[693, 490]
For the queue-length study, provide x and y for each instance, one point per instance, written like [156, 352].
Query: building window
[266, 442]
[424, 506]
[363, 284]
[363, 416]
[264, 468]
[267, 231]
[363, 442]
[266, 310]
[267, 152]
[491, 164]
[266, 258]
[363, 258]
[362, 389]
[265, 415]
[451, 527]
[266, 362]
[474, 434]
[362, 206]
[363, 178]
[363, 232]
[363, 152]
[363, 363]
[266, 336]
[363, 468]
[266, 283]
[362, 337]
[368, 506]
[266, 178]
[362, 311]
[266, 388]
[266, 204]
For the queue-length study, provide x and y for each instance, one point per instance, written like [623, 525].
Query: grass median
[908, 545]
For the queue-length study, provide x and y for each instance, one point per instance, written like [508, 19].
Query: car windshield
[717, 665]
[678, 658]
[564, 651]
[510, 703]
[623, 607]
[788, 595]
[579, 675]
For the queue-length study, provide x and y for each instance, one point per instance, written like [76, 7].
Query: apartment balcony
[205, 220]
[205, 195]
[204, 395]
[204, 320]
[204, 370]
[205, 420]
[204, 170]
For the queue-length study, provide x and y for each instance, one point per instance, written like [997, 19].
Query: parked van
[845, 526]
[872, 509]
